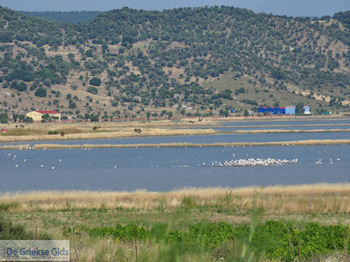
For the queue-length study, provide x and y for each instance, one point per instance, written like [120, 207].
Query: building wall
[290, 110]
[36, 116]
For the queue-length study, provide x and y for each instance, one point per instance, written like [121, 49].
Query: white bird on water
[41, 166]
[52, 168]
[60, 160]
[16, 166]
[254, 162]
[24, 160]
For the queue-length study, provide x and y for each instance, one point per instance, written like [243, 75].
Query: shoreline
[177, 145]
[157, 133]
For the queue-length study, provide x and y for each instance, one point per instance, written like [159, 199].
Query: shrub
[72, 104]
[40, 92]
[95, 81]
[92, 90]
[8, 231]
[3, 118]
[273, 240]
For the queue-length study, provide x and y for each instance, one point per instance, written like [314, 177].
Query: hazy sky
[281, 7]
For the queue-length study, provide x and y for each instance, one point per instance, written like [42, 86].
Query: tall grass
[187, 225]
[304, 199]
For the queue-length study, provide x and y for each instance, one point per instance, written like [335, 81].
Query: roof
[48, 112]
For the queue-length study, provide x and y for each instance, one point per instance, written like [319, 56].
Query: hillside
[187, 61]
[72, 17]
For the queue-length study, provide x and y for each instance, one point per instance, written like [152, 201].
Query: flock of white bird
[252, 162]
[25, 160]
[331, 161]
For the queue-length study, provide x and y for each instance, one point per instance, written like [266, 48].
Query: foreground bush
[9, 231]
[271, 240]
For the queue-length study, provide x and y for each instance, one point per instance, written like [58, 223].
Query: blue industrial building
[289, 110]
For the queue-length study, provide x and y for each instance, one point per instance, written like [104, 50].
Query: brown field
[125, 132]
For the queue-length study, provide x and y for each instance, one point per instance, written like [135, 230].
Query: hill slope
[182, 61]
[72, 17]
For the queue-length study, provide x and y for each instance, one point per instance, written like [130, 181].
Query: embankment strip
[263, 131]
[234, 144]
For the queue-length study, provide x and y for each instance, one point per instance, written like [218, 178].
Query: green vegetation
[9, 231]
[92, 90]
[72, 17]
[41, 92]
[275, 240]
[277, 224]
[165, 60]
[95, 81]
[3, 118]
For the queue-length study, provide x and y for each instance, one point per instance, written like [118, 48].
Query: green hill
[72, 17]
[192, 61]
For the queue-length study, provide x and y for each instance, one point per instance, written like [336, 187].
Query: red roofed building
[38, 115]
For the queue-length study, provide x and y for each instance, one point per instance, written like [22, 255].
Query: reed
[277, 200]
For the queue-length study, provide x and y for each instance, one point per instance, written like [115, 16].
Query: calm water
[167, 168]
[164, 169]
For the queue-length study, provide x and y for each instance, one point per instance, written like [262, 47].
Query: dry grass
[96, 130]
[130, 132]
[278, 200]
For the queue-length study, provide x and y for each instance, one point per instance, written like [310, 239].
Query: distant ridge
[131, 64]
[71, 17]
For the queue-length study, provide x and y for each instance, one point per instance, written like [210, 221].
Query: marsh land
[145, 191]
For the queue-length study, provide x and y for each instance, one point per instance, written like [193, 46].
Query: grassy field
[171, 226]
[84, 130]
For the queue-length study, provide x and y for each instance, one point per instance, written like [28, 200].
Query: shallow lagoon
[165, 169]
